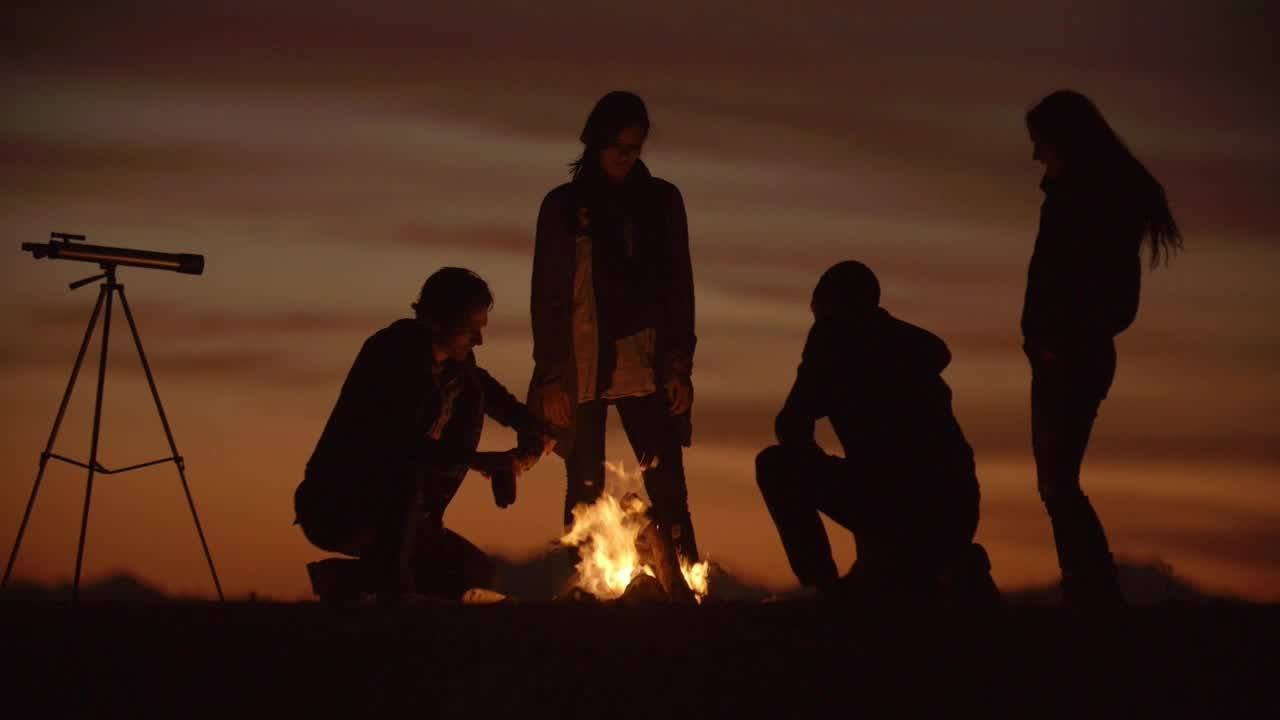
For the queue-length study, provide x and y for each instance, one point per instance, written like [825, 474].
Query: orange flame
[605, 534]
[696, 576]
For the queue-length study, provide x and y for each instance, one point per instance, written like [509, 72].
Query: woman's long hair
[613, 113]
[1072, 124]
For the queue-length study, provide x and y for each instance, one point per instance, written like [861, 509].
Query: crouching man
[906, 487]
[397, 445]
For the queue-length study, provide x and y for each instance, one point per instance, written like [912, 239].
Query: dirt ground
[564, 660]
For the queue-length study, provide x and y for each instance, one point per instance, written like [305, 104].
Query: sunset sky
[326, 157]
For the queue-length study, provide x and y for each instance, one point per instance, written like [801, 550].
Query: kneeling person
[398, 443]
[906, 486]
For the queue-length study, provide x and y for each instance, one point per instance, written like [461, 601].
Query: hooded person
[906, 487]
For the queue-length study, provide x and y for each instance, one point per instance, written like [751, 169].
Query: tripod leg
[53, 434]
[173, 448]
[93, 442]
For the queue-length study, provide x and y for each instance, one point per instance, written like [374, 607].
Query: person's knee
[331, 538]
[1048, 452]
[974, 558]
[1059, 489]
[769, 463]
[317, 537]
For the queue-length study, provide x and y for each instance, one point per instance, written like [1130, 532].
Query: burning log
[644, 590]
[655, 550]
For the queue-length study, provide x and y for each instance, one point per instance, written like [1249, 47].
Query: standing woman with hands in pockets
[1082, 290]
[613, 320]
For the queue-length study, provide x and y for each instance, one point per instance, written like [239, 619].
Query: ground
[297, 660]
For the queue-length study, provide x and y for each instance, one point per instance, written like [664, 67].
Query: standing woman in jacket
[612, 312]
[1082, 290]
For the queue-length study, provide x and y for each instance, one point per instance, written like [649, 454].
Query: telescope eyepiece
[37, 250]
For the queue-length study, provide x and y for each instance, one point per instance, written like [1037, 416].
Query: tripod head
[62, 247]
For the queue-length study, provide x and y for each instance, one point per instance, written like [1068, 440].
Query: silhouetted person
[399, 441]
[906, 486]
[1082, 291]
[612, 311]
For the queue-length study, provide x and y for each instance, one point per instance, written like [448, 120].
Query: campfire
[623, 550]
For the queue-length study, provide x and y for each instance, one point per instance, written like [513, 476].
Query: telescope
[68, 246]
[61, 247]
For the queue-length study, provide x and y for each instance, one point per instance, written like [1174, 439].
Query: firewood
[656, 550]
[643, 590]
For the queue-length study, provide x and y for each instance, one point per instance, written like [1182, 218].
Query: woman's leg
[584, 467]
[1066, 392]
[651, 431]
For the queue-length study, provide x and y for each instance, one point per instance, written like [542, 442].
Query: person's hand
[504, 488]
[556, 405]
[679, 395]
[490, 464]
[502, 469]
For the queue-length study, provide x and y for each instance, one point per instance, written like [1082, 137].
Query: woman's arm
[551, 301]
[1085, 279]
[679, 338]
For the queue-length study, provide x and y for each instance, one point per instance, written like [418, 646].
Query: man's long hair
[450, 295]
[613, 113]
[1091, 150]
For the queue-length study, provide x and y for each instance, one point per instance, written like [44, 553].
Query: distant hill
[1143, 583]
[120, 587]
[542, 576]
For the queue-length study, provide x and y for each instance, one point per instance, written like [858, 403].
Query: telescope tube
[187, 263]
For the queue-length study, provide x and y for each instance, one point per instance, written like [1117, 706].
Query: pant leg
[652, 433]
[584, 467]
[943, 505]
[1066, 393]
[334, 514]
[923, 522]
[447, 564]
[796, 486]
[316, 511]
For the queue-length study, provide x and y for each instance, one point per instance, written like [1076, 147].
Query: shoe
[483, 596]
[339, 581]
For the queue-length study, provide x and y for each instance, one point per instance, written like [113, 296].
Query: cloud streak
[326, 157]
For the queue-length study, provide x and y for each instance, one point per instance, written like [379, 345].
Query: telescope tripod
[106, 292]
